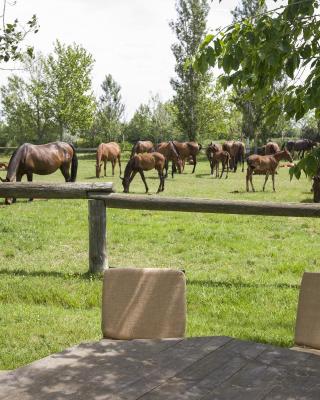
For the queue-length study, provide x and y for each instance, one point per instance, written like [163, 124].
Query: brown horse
[215, 155]
[144, 162]
[265, 165]
[186, 150]
[42, 159]
[107, 152]
[169, 150]
[237, 153]
[142, 146]
[271, 148]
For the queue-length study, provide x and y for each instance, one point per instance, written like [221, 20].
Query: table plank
[203, 368]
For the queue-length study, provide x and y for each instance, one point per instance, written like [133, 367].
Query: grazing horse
[142, 146]
[271, 148]
[144, 162]
[237, 152]
[215, 155]
[42, 159]
[107, 152]
[186, 150]
[300, 146]
[265, 165]
[169, 150]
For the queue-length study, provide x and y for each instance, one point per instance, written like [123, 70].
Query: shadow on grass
[307, 201]
[239, 284]
[54, 274]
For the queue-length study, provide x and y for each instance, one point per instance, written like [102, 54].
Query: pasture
[243, 272]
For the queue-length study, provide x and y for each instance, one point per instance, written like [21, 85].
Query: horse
[303, 145]
[144, 162]
[107, 152]
[186, 150]
[265, 165]
[42, 159]
[142, 146]
[237, 152]
[170, 151]
[271, 148]
[215, 155]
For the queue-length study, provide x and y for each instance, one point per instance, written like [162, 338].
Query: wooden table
[204, 368]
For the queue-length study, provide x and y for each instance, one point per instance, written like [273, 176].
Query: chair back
[143, 303]
[307, 331]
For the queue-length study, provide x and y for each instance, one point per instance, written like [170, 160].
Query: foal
[144, 162]
[107, 152]
[215, 156]
[265, 165]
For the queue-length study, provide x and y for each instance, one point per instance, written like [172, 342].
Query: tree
[70, 91]
[189, 85]
[12, 37]
[139, 127]
[257, 51]
[110, 110]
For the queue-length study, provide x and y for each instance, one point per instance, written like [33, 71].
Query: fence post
[98, 260]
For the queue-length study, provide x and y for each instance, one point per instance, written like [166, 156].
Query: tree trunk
[316, 189]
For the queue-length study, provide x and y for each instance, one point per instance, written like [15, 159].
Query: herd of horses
[44, 159]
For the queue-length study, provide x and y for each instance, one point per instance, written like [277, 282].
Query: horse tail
[200, 146]
[74, 164]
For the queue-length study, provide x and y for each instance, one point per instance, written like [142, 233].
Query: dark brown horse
[236, 149]
[144, 162]
[300, 145]
[170, 151]
[107, 152]
[188, 149]
[42, 159]
[142, 146]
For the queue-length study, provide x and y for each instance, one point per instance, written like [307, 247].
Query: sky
[129, 39]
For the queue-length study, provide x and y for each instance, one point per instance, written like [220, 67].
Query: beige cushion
[308, 315]
[143, 303]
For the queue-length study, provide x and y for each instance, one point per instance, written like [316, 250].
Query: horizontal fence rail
[116, 200]
[101, 196]
[68, 190]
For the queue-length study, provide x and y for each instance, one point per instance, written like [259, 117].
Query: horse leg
[18, 179]
[174, 169]
[30, 178]
[194, 158]
[166, 167]
[273, 187]
[119, 161]
[113, 163]
[161, 183]
[227, 169]
[144, 180]
[222, 169]
[265, 181]
[105, 167]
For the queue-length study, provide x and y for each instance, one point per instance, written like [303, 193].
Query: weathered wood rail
[101, 196]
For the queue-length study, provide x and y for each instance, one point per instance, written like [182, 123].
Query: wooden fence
[101, 196]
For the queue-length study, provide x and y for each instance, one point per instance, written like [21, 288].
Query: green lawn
[243, 272]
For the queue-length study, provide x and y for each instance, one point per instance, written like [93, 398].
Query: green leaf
[206, 41]
[290, 67]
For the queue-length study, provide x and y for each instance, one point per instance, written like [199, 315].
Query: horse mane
[15, 161]
[129, 167]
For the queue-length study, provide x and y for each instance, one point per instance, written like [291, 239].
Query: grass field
[243, 272]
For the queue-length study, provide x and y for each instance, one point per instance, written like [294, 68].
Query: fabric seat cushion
[143, 303]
